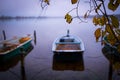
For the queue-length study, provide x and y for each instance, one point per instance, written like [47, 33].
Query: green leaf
[97, 34]
[115, 21]
[68, 18]
[74, 1]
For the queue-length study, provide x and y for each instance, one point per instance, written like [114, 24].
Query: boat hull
[22, 48]
[71, 44]
[7, 63]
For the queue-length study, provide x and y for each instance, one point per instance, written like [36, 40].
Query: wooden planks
[68, 47]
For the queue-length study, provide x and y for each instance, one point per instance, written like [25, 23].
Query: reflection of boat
[11, 62]
[71, 61]
[68, 43]
[10, 48]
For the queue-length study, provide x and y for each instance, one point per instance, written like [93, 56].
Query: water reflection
[6, 65]
[40, 64]
[68, 61]
[114, 63]
[23, 74]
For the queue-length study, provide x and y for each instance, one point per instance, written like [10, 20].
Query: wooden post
[35, 37]
[4, 35]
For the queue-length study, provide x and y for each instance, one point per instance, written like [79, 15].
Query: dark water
[41, 64]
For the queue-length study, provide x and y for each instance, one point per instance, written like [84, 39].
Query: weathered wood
[68, 47]
[35, 36]
[4, 35]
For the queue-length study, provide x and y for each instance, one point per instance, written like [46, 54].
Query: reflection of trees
[114, 61]
[10, 63]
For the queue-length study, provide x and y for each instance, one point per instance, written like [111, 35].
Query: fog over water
[42, 62]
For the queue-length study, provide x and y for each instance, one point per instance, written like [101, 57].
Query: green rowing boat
[13, 47]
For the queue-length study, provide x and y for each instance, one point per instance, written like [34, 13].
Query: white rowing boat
[68, 43]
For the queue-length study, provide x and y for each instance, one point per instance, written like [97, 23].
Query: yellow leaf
[115, 21]
[104, 20]
[95, 20]
[111, 39]
[46, 1]
[68, 18]
[113, 5]
[107, 28]
[100, 22]
[103, 33]
[117, 31]
[74, 1]
[97, 34]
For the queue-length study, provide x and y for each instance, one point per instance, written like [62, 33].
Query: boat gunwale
[8, 51]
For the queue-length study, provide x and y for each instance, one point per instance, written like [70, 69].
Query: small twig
[71, 10]
[78, 11]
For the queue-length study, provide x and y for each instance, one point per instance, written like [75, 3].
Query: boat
[14, 46]
[68, 43]
[6, 64]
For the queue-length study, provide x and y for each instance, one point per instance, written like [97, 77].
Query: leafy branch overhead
[107, 25]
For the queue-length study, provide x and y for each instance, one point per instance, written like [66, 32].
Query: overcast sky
[32, 8]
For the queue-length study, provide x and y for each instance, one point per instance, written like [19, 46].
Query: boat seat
[67, 40]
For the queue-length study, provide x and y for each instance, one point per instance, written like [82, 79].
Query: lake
[41, 63]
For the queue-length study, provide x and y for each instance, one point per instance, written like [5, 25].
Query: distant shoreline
[40, 17]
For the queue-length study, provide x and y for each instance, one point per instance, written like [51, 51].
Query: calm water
[41, 64]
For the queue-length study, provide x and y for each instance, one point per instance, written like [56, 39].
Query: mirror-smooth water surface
[41, 63]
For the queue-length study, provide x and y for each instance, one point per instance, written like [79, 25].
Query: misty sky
[33, 8]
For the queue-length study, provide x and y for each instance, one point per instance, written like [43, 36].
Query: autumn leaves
[113, 4]
[68, 17]
[107, 25]
[107, 28]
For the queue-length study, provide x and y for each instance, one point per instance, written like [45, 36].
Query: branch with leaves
[108, 25]
[44, 3]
